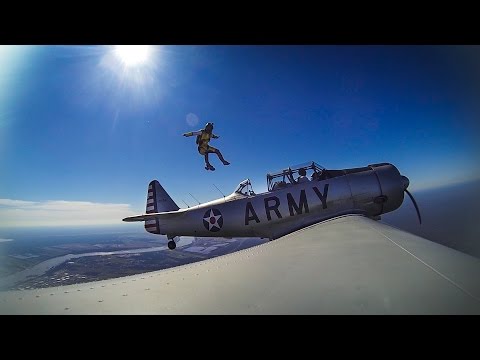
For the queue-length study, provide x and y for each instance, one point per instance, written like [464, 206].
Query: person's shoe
[226, 162]
[209, 167]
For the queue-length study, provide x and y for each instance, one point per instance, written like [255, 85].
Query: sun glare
[132, 55]
[132, 70]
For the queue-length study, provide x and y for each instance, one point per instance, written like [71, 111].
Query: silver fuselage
[372, 191]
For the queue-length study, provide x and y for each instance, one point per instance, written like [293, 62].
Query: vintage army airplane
[292, 202]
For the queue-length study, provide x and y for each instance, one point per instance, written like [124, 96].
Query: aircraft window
[245, 188]
[289, 176]
[279, 185]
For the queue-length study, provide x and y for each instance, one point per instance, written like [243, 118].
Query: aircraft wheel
[172, 245]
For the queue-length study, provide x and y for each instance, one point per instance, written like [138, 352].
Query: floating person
[203, 138]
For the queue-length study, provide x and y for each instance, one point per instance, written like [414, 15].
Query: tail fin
[157, 201]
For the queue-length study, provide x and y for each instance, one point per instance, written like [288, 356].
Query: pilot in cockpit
[303, 176]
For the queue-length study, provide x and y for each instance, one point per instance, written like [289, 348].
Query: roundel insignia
[213, 220]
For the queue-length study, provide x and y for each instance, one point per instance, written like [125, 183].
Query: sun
[132, 55]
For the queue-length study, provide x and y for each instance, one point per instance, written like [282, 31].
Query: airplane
[340, 260]
[291, 202]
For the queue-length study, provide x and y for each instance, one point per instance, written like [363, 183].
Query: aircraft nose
[406, 182]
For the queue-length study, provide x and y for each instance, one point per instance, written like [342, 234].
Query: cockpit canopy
[245, 188]
[289, 175]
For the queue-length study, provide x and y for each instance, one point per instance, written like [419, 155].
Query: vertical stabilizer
[157, 201]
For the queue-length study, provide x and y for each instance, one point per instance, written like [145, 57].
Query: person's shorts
[204, 148]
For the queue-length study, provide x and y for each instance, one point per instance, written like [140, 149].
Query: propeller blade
[415, 204]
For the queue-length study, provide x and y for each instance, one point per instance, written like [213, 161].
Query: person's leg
[219, 154]
[203, 149]
[207, 163]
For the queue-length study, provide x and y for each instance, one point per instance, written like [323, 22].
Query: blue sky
[82, 133]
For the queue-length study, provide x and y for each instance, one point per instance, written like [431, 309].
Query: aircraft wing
[347, 265]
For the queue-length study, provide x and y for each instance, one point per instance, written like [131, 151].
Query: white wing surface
[348, 265]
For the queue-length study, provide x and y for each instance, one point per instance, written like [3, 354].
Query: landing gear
[171, 242]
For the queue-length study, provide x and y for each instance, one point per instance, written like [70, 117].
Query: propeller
[414, 204]
[406, 182]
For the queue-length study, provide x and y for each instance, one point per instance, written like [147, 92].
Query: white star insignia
[212, 216]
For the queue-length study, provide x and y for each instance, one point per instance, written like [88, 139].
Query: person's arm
[215, 136]
[192, 133]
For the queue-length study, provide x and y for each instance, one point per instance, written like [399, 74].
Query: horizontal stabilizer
[148, 217]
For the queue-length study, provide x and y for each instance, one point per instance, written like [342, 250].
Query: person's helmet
[302, 172]
[209, 126]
